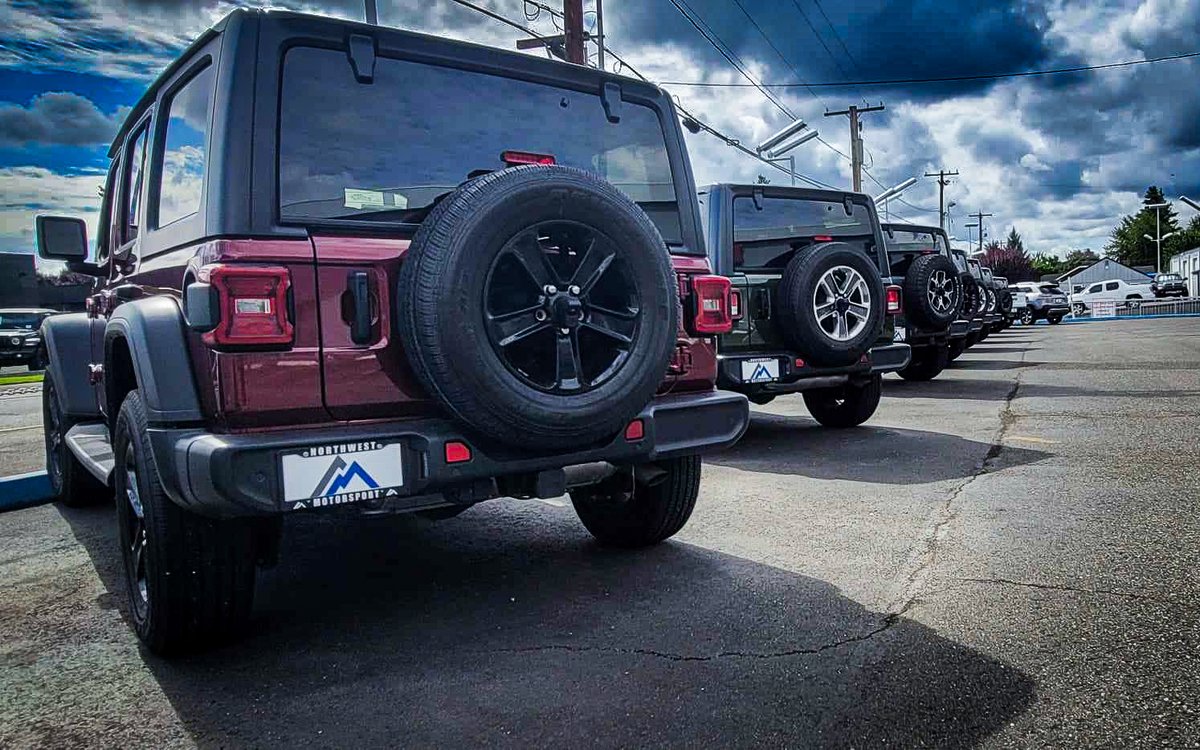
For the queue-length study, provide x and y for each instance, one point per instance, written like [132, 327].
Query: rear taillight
[735, 305]
[711, 305]
[894, 295]
[251, 306]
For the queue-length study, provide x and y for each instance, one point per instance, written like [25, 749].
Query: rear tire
[932, 291]
[639, 515]
[190, 579]
[846, 405]
[1027, 317]
[72, 485]
[927, 365]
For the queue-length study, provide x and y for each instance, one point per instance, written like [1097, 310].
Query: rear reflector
[894, 295]
[457, 453]
[823, 238]
[799, 363]
[635, 431]
[712, 305]
[251, 305]
[513, 158]
[735, 305]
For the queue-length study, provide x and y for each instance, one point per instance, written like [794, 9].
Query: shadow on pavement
[967, 362]
[776, 444]
[988, 349]
[508, 626]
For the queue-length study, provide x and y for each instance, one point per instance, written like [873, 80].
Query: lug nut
[574, 290]
[550, 289]
[540, 315]
[564, 331]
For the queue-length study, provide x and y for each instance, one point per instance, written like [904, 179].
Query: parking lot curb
[24, 490]
[1120, 317]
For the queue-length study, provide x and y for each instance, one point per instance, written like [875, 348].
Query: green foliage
[1186, 239]
[1084, 257]
[1047, 265]
[1128, 242]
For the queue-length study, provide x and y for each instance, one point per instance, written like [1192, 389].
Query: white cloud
[29, 191]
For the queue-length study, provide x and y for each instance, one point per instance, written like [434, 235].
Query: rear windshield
[905, 241]
[766, 235]
[1050, 289]
[21, 321]
[386, 151]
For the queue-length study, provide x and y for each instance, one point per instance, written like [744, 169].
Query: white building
[1187, 265]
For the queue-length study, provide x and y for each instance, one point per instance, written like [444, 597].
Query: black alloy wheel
[561, 308]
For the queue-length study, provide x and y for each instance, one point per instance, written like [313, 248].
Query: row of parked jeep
[345, 268]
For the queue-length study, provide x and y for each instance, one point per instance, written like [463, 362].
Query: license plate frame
[321, 476]
[760, 370]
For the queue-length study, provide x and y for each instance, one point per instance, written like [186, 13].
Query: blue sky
[1061, 158]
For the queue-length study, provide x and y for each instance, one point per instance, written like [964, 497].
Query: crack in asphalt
[927, 550]
[885, 624]
[1063, 587]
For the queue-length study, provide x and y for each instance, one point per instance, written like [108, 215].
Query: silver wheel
[942, 294]
[842, 303]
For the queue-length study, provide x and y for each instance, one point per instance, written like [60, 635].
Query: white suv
[1113, 290]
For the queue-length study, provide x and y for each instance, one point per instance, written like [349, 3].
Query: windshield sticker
[357, 198]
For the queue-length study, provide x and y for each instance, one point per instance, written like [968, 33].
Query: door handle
[360, 295]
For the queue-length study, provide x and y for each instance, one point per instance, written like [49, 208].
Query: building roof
[1077, 270]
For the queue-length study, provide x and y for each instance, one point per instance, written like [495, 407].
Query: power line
[711, 37]
[837, 36]
[945, 79]
[767, 39]
[824, 46]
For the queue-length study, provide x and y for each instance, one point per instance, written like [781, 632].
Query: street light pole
[1158, 232]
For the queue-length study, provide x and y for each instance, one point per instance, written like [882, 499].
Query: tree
[1128, 242]
[1014, 241]
[1186, 239]
[1008, 261]
[1076, 258]
[1047, 265]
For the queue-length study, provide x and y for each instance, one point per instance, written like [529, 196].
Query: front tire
[1027, 316]
[847, 405]
[190, 579]
[927, 365]
[72, 485]
[640, 515]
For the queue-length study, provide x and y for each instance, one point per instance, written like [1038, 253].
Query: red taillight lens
[635, 431]
[253, 305]
[823, 238]
[711, 305]
[735, 305]
[894, 295]
[457, 453]
[512, 158]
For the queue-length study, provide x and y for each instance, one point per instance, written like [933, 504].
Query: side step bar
[91, 445]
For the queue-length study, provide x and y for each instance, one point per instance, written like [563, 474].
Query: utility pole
[372, 12]
[942, 174]
[600, 34]
[979, 216]
[573, 31]
[856, 146]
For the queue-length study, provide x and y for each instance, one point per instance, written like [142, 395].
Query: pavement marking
[18, 429]
[1028, 439]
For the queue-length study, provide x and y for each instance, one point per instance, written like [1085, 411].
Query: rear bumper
[223, 476]
[792, 379]
[17, 355]
[976, 325]
[959, 329]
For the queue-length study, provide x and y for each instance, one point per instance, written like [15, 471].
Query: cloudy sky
[1060, 157]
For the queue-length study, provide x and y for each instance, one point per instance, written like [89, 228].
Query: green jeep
[813, 297]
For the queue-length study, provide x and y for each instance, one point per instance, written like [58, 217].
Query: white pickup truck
[1112, 290]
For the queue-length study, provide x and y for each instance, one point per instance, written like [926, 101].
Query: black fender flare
[68, 342]
[153, 329]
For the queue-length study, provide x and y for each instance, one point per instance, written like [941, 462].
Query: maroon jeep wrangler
[345, 266]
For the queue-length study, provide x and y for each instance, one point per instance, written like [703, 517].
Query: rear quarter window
[182, 167]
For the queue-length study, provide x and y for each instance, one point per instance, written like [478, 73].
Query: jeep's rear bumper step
[976, 325]
[229, 475]
[959, 329]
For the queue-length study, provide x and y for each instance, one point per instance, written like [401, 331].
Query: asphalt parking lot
[1005, 556]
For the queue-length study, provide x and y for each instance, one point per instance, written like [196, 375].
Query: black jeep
[920, 255]
[814, 300]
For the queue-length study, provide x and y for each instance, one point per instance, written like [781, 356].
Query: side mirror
[61, 238]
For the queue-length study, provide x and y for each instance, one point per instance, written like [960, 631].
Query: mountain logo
[338, 477]
[761, 373]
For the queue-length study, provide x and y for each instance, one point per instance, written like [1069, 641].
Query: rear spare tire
[830, 302]
[539, 307]
[932, 291]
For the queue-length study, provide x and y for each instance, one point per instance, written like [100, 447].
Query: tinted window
[902, 240]
[1110, 286]
[21, 321]
[135, 170]
[767, 238]
[386, 151]
[183, 157]
[1094, 288]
